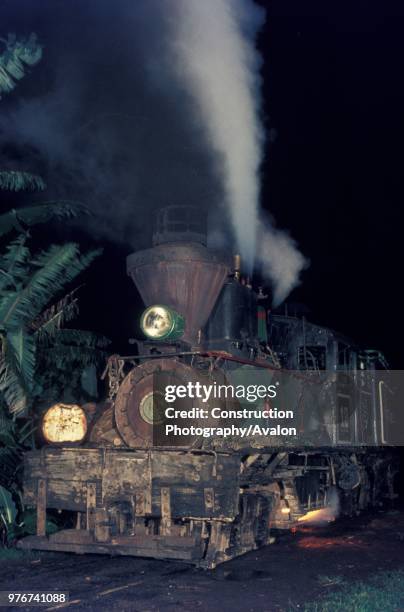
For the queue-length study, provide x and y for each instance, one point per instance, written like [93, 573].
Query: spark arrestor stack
[180, 271]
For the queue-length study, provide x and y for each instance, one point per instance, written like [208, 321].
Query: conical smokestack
[180, 271]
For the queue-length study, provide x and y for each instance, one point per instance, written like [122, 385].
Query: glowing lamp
[64, 423]
[162, 323]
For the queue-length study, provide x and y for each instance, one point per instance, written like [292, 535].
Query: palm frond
[24, 347]
[13, 180]
[80, 338]
[8, 508]
[24, 218]
[12, 383]
[13, 435]
[18, 54]
[10, 456]
[53, 209]
[52, 319]
[7, 428]
[14, 267]
[56, 267]
[66, 357]
[71, 348]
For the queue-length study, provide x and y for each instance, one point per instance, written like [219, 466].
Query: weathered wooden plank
[133, 467]
[188, 501]
[62, 463]
[155, 541]
[72, 536]
[124, 474]
[67, 494]
[218, 544]
[165, 548]
[41, 508]
[91, 504]
[142, 502]
[189, 468]
[101, 528]
[165, 523]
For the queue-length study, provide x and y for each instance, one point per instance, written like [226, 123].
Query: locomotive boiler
[134, 490]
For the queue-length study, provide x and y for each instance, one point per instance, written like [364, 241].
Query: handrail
[381, 383]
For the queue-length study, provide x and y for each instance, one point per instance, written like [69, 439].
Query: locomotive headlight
[162, 323]
[64, 423]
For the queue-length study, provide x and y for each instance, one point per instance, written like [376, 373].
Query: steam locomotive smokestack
[180, 271]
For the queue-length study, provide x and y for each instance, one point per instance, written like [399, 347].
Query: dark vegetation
[42, 361]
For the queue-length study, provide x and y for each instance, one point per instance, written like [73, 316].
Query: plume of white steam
[279, 260]
[217, 58]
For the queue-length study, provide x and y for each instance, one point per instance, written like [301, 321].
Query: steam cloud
[154, 103]
[279, 259]
[215, 46]
[217, 56]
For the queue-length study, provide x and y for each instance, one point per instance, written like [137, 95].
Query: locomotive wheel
[140, 404]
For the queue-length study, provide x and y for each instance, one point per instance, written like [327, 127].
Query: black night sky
[334, 175]
[333, 78]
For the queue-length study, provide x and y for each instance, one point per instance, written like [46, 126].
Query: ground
[298, 568]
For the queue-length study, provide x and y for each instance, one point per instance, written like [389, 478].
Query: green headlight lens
[162, 323]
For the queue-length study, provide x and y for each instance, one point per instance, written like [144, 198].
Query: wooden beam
[41, 508]
[165, 523]
[91, 504]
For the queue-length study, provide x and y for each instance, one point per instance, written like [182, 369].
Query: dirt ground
[297, 569]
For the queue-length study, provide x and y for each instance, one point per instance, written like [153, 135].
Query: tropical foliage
[40, 360]
[18, 54]
[24, 218]
[17, 181]
[28, 284]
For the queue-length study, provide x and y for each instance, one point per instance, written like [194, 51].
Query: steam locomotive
[206, 499]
